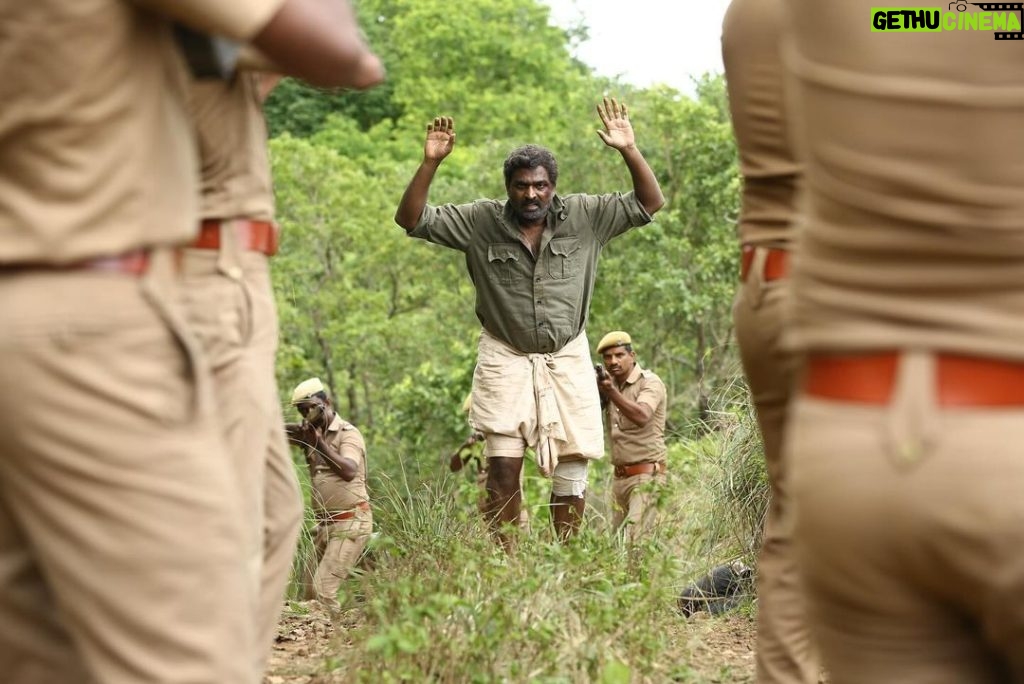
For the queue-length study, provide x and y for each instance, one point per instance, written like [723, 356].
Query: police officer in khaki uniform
[904, 440]
[636, 403]
[336, 456]
[751, 52]
[121, 537]
[228, 300]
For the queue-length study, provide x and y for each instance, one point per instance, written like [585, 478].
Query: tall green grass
[436, 600]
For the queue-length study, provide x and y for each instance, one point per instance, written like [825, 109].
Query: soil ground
[308, 647]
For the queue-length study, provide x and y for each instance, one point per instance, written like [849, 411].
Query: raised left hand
[618, 131]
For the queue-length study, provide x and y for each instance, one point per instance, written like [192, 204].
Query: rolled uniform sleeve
[614, 214]
[448, 225]
[237, 19]
[652, 392]
[350, 445]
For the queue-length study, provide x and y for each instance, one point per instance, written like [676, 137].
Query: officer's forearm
[319, 41]
[634, 411]
[345, 468]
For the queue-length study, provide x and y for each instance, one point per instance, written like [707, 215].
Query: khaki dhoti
[550, 401]
[229, 302]
[909, 533]
[784, 649]
[121, 536]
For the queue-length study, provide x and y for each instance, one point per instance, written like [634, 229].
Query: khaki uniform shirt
[914, 191]
[232, 135]
[632, 443]
[97, 153]
[533, 304]
[331, 494]
[752, 56]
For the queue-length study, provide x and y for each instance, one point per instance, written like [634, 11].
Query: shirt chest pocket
[503, 263]
[563, 262]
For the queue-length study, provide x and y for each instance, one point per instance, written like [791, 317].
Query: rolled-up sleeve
[652, 393]
[613, 214]
[448, 225]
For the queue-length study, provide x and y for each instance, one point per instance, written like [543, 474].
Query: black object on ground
[720, 590]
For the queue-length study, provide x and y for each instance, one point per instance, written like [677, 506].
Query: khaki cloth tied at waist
[549, 399]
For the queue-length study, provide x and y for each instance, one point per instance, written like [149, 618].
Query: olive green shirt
[534, 304]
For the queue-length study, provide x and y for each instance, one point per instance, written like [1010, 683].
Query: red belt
[133, 263]
[639, 469]
[258, 236]
[959, 380]
[345, 515]
[775, 262]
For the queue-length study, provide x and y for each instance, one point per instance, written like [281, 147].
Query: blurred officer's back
[121, 556]
[909, 302]
[752, 54]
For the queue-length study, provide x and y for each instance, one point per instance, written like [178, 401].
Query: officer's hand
[296, 433]
[605, 385]
[440, 139]
[316, 435]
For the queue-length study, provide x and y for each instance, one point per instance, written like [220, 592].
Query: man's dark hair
[530, 157]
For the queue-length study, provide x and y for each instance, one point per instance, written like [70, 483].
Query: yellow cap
[306, 389]
[616, 338]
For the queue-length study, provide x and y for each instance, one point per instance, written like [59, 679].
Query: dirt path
[308, 648]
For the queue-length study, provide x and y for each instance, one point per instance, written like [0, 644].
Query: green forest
[387, 323]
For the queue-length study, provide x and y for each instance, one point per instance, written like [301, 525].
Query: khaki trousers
[910, 534]
[784, 649]
[120, 529]
[229, 303]
[634, 509]
[338, 546]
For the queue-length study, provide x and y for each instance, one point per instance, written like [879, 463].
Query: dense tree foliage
[388, 321]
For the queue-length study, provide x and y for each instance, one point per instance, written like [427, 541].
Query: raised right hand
[440, 139]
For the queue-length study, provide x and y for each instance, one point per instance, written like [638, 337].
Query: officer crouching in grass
[336, 455]
[636, 401]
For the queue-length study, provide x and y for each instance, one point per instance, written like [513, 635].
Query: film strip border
[1004, 7]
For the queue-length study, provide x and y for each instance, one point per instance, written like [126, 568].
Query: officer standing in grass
[336, 456]
[229, 302]
[636, 405]
[123, 554]
[751, 52]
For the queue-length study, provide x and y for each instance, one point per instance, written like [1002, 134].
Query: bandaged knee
[503, 446]
[570, 478]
